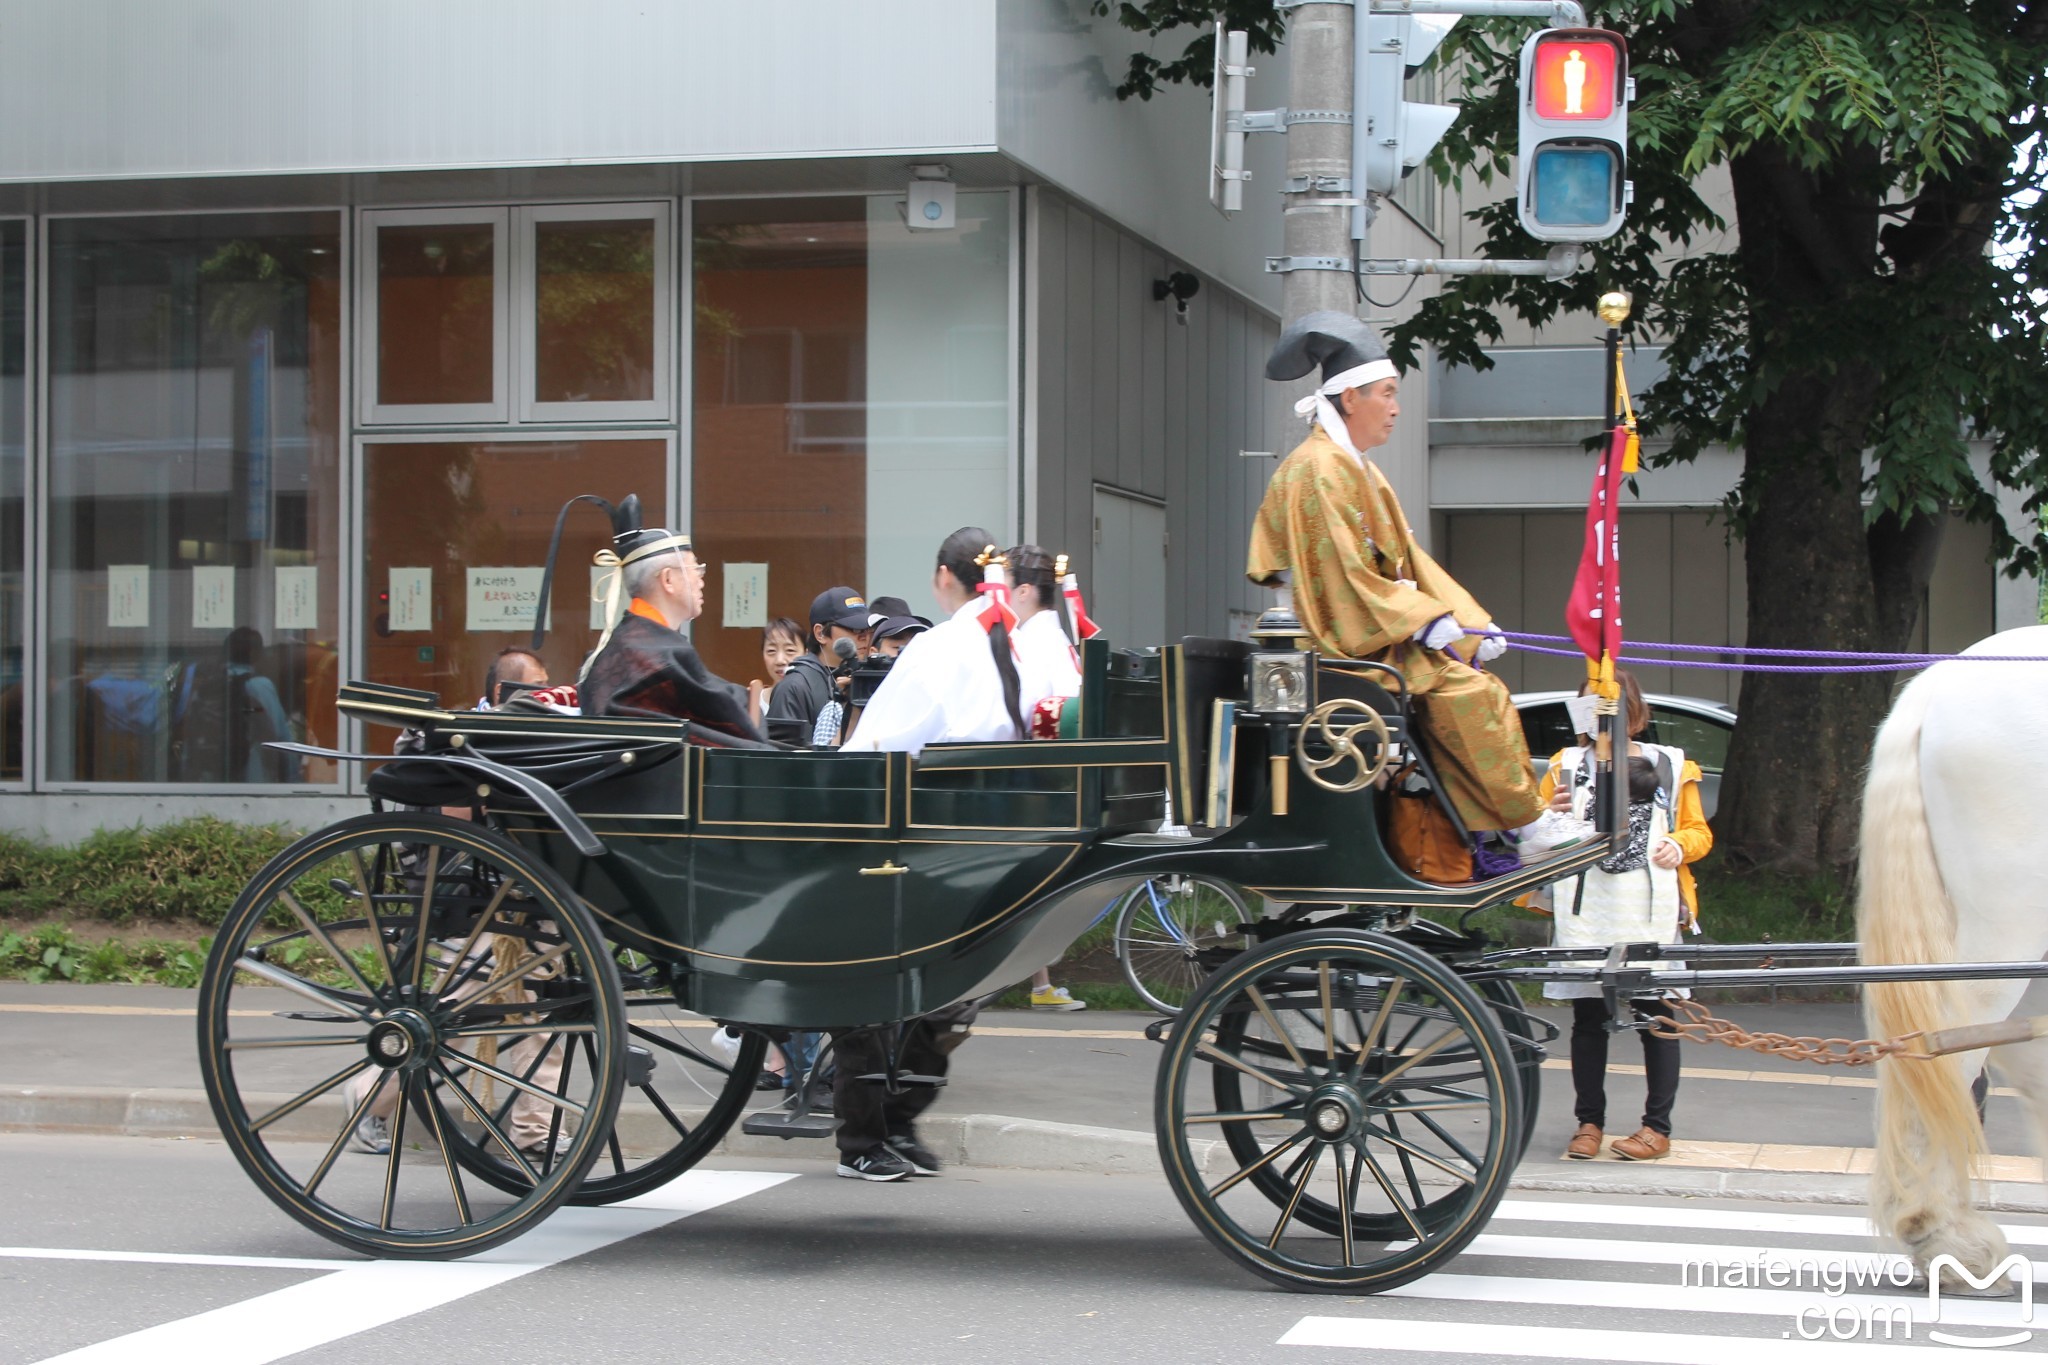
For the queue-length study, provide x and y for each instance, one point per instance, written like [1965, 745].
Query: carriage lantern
[1282, 668]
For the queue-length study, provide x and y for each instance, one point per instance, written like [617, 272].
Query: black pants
[1589, 1064]
[868, 1113]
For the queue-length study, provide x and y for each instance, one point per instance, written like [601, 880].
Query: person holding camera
[818, 678]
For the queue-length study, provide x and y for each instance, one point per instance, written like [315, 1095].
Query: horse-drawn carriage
[530, 992]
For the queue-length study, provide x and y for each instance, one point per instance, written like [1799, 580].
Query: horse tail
[1927, 1122]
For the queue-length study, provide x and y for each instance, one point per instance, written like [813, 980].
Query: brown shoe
[1585, 1143]
[1646, 1144]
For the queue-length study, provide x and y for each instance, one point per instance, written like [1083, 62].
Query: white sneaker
[371, 1135]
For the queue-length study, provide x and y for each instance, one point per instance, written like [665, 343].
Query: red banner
[1593, 614]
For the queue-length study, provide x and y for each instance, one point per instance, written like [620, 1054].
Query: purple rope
[1642, 662]
[1782, 653]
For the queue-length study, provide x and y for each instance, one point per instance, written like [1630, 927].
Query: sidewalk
[1074, 1092]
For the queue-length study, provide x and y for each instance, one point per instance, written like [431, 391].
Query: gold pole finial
[1614, 307]
[1059, 566]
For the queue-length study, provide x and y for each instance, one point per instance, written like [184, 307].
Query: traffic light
[1571, 178]
[1391, 135]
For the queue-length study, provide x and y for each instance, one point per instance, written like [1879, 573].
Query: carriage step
[639, 1065]
[781, 1124]
[902, 1078]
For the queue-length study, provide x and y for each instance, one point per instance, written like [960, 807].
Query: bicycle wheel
[1171, 932]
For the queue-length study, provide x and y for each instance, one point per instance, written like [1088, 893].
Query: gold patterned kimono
[1363, 588]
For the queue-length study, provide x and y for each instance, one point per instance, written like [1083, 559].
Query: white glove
[1441, 633]
[1491, 647]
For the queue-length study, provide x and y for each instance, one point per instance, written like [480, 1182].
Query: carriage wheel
[1168, 932]
[1376, 1111]
[415, 969]
[682, 1097]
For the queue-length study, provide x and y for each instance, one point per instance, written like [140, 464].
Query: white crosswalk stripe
[1812, 1289]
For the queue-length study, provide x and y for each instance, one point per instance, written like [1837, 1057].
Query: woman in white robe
[1046, 664]
[954, 682]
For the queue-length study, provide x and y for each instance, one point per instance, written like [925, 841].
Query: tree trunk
[1819, 577]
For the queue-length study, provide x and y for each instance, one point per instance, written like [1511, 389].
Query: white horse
[1952, 872]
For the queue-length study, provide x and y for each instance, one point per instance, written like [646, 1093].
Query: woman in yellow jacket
[1644, 892]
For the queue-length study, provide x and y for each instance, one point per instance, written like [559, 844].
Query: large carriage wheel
[396, 977]
[1169, 930]
[1371, 1111]
[682, 1097]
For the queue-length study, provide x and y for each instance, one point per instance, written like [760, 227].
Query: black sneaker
[921, 1158]
[821, 1101]
[876, 1163]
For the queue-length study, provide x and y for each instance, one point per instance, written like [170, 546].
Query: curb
[968, 1140]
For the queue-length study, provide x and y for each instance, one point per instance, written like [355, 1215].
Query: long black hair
[1032, 564]
[959, 555]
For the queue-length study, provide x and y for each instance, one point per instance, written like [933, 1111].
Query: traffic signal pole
[1317, 198]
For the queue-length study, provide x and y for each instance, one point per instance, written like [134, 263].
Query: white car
[1700, 727]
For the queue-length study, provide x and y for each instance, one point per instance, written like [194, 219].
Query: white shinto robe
[942, 687]
[1045, 660]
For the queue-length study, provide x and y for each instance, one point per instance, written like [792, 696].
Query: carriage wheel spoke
[1306, 1164]
[298, 985]
[1432, 1105]
[1258, 1164]
[1329, 1024]
[435, 1121]
[348, 1125]
[327, 944]
[517, 1030]
[397, 1150]
[680, 1048]
[476, 933]
[1415, 1058]
[513, 977]
[682, 1129]
[1379, 1022]
[1443, 1136]
[611, 1142]
[362, 875]
[1217, 1054]
[303, 1040]
[532, 1069]
[547, 1151]
[1238, 1117]
[543, 1095]
[1266, 1012]
[1387, 1188]
[294, 1104]
[421, 919]
[1409, 1149]
[1347, 1200]
[484, 1120]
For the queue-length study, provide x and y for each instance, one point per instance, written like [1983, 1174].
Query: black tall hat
[1336, 341]
[631, 540]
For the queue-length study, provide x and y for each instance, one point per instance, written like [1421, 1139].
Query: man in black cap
[891, 625]
[644, 665]
[810, 685]
[1331, 530]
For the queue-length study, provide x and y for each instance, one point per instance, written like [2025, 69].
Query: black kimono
[647, 670]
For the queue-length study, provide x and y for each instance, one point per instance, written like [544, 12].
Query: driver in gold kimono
[1331, 530]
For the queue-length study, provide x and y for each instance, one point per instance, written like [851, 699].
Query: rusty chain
[1701, 1025]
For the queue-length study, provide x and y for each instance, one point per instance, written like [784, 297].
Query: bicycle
[1168, 933]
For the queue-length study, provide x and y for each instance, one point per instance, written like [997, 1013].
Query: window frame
[527, 220]
[372, 411]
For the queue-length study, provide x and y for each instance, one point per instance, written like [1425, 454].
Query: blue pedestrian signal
[1575, 186]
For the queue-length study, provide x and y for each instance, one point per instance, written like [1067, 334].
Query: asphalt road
[174, 1257]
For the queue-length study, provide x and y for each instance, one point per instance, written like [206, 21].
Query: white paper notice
[128, 595]
[412, 599]
[598, 620]
[1580, 709]
[503, 598]
[746, 595]
[213, 598]
[298, 597]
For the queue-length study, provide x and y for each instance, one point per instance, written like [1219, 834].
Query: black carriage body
[792, 888]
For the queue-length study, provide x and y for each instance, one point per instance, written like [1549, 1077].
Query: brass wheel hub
[1335, 1113]
[403, 1040]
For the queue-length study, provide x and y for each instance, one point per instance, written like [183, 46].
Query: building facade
[312, 317]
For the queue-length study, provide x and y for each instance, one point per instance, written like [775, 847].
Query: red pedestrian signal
[1574, 75]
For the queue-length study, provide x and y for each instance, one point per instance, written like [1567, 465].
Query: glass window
[1704, 739]
[194, 435]
[457, 538]
[598, 322]
[851, 402]
[13, 461]
[435, 315]
[1547, 727]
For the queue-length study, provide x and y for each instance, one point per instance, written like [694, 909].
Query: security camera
[1180, 286]
[929, 206]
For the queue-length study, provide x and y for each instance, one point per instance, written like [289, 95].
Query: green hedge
[191, 870]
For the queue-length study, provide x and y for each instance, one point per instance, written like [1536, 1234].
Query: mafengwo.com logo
[2017, 1266]
[1854, 1304]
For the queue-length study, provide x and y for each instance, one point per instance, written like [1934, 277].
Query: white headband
[1371, 372]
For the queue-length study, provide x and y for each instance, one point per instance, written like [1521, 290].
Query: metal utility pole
[1317, 221]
